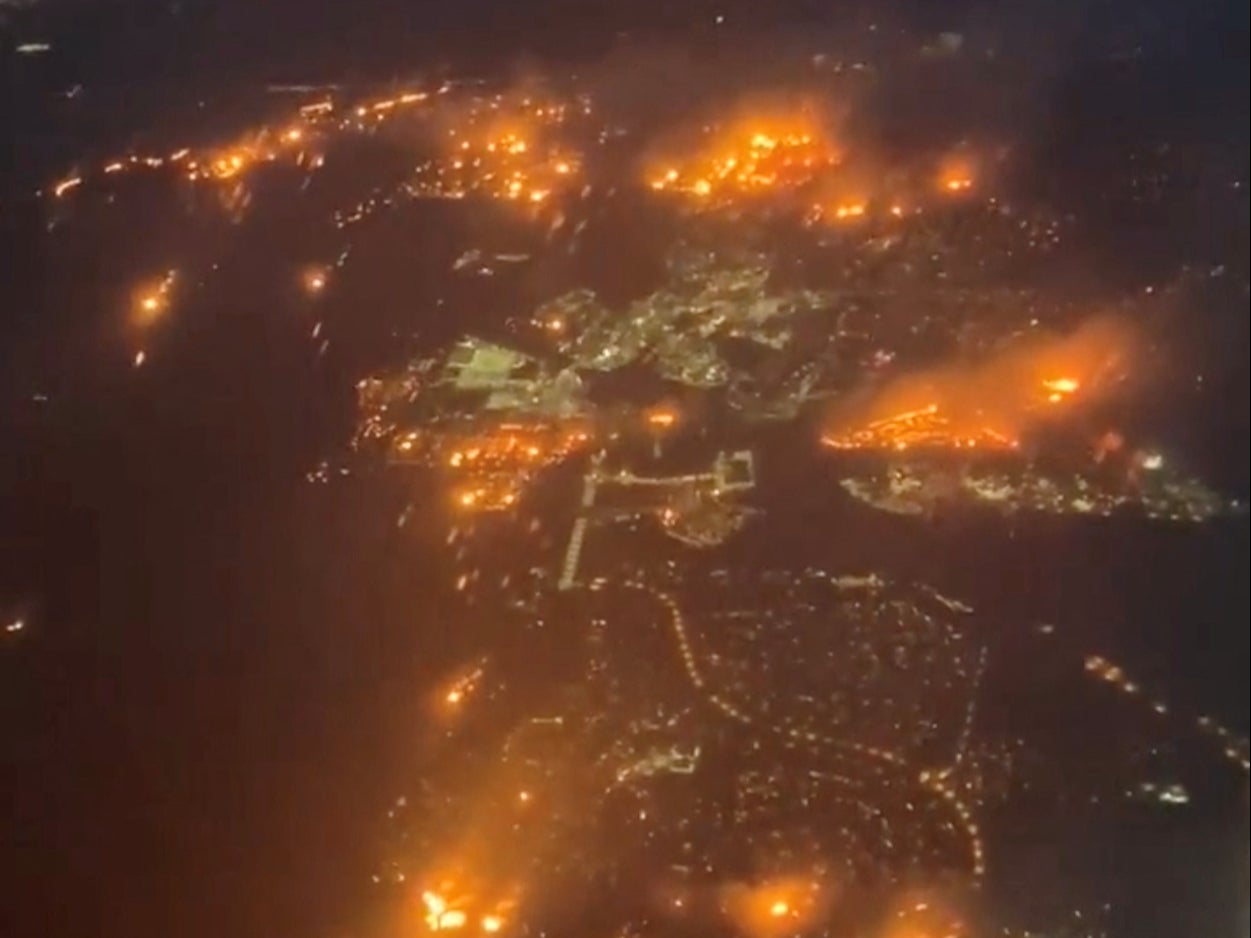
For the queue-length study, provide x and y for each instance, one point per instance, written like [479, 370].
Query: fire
[1062, 385]
[315, 279]
[775, 907]
[662, 419]
[463, 686]
[501, 147]
[152, 300]
[986, 405]
[495, 466]
[439, 917]
[755, 154]
[957, 171]
[927, 427]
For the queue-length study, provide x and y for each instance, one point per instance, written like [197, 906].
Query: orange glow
[776, 907]
[492, 923]
[314, 279]
[988, 404]
[439, 917]
[763, 150]
[462, 686]
[957, 172]
[924, 428]
[662, 419]
[452, 919]
[152, 300]
[1062, 385]
[495, 466]
[926, 915]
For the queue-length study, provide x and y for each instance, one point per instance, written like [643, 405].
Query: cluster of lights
[936, 783]
[853, 211]
[926, 428]
[507, 166]
[752, 159]
[497, 466]
[220, 164]
[793, 154]
[229, 162]
[905, 489]
[501, 148]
